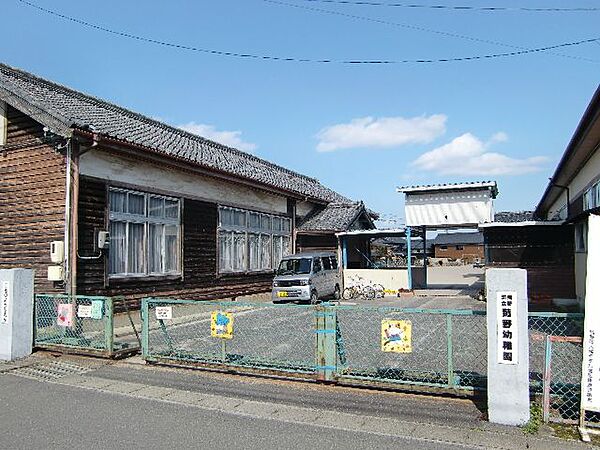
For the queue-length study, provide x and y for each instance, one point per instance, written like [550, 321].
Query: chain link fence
[448, 347]
[265, 336]
[78, 324]
[555, 358]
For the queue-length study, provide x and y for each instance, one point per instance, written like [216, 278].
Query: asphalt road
[44, 415]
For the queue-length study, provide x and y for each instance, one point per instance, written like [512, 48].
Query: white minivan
[309, 276]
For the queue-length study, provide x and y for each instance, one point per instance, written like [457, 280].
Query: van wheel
[314, 298]
[336, 293]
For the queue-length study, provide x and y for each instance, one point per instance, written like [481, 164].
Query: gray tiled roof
[62, 109]
[513, 216]
[458, 238]
[334, 217]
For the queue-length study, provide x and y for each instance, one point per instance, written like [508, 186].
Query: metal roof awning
[393, 232]
[526, 223]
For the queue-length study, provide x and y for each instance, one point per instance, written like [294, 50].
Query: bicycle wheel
[349, 293]
[368, 292]
[379, 291]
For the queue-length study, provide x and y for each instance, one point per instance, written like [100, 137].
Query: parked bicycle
[361, 288]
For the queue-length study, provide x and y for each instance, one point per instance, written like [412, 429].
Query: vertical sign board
[506, 312]
[396, 336]
[590, 375]
[4, 302]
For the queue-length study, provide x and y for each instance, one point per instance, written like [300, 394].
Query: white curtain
[155, 246]
[253, 251]
[239, 252]
[136, 249]
[265, 251]
[116, 261]
[225, 244]
[171, 248]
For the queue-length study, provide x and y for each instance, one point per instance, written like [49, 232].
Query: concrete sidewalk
[427, 419]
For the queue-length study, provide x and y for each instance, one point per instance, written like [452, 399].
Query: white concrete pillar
[508, 346]
[16, 313]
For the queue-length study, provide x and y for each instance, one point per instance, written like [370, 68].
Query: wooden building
[317, 231]
[467, 247]
[543, 248]
[185, 216]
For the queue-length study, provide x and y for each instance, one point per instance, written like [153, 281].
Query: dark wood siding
[308, 242]
[32, 199]
[200, 280]
[545, 251]
[466, 252]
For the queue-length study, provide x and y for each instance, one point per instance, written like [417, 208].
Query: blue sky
[362, 130]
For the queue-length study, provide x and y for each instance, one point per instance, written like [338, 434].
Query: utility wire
[415, 27]
[304, 60]
[456, 7]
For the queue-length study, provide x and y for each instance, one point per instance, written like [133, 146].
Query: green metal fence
[449, 347]
[555, 358]
[343, 344]
[81, 324]
[330, 343]
[278, 338]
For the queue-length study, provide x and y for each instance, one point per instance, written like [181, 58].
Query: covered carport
[384, 257]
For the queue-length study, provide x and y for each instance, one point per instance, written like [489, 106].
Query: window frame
[255, 225]
[3, 123]
[146, 220]
[580, 237]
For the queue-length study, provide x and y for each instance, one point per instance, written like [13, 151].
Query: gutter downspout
[67, 231]
[74, 219]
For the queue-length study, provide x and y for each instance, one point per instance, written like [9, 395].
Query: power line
[304, 60]
[456, 7]
[415, 27]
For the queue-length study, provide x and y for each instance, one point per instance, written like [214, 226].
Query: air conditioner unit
[55, 273]
[57, 251]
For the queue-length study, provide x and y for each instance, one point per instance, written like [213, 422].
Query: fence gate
[448, 348]
[331, 343]
[266, 338]
[81, 324]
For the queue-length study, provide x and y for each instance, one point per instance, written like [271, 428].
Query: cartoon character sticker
[64, 314]
[221, 325]
[396, 336]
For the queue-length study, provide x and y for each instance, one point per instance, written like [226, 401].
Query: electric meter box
[55, 273]
[57, 251]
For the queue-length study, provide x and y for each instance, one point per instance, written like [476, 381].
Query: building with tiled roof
[142, 208]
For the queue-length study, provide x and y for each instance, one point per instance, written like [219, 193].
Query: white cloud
[229, 138]
[468, 155]
[381, 132]
[500, 136]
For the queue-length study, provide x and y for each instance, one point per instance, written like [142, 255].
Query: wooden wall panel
[200, 280]
[32, 199]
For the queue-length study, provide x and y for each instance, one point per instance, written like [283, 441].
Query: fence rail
[278, 338]
[80, 324]
[340, 344]
[331, 343]
[555, 358]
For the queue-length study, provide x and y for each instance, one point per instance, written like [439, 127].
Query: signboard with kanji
[507, 327]
[4, 302]
[590, 377]
[396, 336]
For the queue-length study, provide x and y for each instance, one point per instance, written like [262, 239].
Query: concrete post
[508, 346]
[16, 313]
